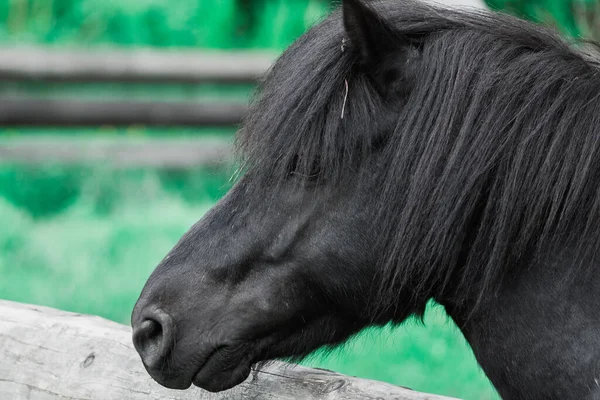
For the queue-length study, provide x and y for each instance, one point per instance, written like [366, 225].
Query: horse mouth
[223, 369]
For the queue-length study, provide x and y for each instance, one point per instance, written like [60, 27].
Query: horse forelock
[491, 161]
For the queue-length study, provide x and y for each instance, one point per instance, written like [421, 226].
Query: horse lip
[206, 361]
[210, 355]
[208, 381]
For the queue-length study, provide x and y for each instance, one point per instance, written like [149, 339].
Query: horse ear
[381, 48]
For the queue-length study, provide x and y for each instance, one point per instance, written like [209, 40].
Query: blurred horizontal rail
[132, 65]
[121, 151]
[58, 112]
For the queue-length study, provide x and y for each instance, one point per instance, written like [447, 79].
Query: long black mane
[492, 160]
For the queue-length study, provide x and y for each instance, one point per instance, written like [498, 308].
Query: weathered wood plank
[47, 354]
[132, 65]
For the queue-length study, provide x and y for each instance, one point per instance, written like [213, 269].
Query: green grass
[432, 357]
[85, 239]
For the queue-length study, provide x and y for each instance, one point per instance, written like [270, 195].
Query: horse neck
[539, 338]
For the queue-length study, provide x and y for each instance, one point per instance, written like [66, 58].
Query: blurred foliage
[222, 24]
[49, 191]
[574, 18]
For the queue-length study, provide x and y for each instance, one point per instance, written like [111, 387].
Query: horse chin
[224, 369]
[228, 366]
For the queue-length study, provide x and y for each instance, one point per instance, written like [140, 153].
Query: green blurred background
[85, 237]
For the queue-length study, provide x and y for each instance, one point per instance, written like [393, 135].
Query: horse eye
[299, 168]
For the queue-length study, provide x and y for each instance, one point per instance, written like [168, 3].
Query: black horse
[397, 153]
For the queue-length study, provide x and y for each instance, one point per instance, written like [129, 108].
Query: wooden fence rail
[60, 112]
[132, 65]
[121, 152]
[49, 354]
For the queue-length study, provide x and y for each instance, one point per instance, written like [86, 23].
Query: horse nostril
[153, 338]
[148, 336]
